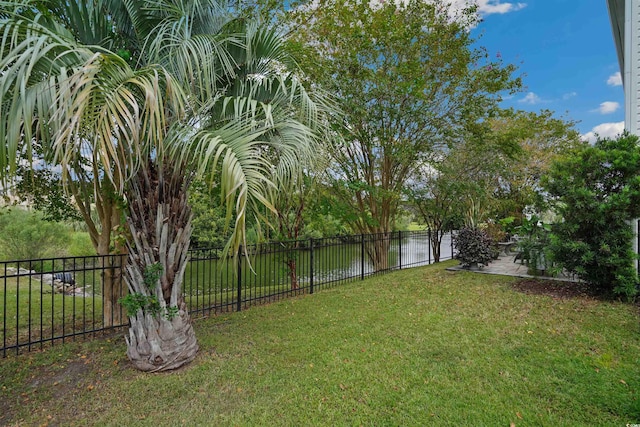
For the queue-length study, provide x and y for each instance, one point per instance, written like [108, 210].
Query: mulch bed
[556, 289]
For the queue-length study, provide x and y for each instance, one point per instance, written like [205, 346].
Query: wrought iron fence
[52, 300]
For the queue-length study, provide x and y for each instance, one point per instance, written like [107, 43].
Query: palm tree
[149, 94]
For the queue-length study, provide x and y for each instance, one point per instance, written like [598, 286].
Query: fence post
[239, 266]
[400, 249]
[429, 246]
[311, 266]
[637, 245]
[362, 256]
[451, 239]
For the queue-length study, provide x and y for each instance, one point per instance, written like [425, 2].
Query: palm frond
[123, 114]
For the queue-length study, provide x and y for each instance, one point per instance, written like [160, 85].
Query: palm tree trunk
[161, 337]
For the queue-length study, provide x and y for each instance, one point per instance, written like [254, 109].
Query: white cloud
[615, 79]
[531, 98]
[607, 107]
[569, 95]
[604, 130]
[488, 7]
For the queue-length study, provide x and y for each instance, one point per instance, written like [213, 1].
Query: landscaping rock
[13, 271]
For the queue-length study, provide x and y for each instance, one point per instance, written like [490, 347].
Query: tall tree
[496, 171]
[535, 141]
[165, 90]
[408, 79]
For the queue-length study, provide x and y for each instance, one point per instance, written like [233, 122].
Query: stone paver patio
[505, 266]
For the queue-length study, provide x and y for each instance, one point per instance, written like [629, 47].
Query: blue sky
[565, 53]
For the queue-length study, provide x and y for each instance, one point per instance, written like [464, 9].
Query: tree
[597, 192]
[436, 196]
[540, 139]
[495, 172]
[166, 90]
[407, 80]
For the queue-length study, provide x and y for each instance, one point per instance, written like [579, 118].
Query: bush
[496, 234]
[597, 191]
[473, 247]
[534, 246]
[25, 235]
[80, 244]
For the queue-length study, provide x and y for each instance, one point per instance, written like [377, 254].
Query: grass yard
[416, 347]
[29, 309]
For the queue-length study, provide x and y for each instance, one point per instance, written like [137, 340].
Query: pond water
[329, 261]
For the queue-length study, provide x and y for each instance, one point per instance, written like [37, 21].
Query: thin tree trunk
[109, 214]
[378, 251]
[114, 288]
[160, 224]
[436, 241]
[293, 273]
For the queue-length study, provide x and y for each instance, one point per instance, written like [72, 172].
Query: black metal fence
[52, 300]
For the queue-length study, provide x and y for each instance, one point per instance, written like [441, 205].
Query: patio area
[505, 266]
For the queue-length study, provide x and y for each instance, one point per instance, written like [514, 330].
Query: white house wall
[625, 25]
[631, 70]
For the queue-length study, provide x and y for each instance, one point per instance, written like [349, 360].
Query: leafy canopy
[597, 191]
[408, 80]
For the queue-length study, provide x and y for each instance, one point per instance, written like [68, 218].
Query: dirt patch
[66, 378]
[52, 389]
[556, 289]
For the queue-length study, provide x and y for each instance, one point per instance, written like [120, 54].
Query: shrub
[80, 244]
[25, 235]
[534, 246]
[597, 191]
[496, 234]
[473, 246]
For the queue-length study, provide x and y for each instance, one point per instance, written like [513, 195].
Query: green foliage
[496, 235]
[473, 246]
[435, 195]
[26, 235]
[530, 142]
[152, 274]
[42, 189]
[495, 172]
[534, 245]
[323, 225]
[149, 303]
[80, 244]
[597, 191]
[172, 312]
[208, 222]
[408, 78]
[507, 225]
[137, 301]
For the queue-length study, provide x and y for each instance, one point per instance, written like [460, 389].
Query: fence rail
[52, 300]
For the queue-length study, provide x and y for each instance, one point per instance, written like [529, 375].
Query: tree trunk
[161, 336]
[293, 273]
[113, 288]
[378, 251]
[436, 242]
[156, 343]
[110, 218]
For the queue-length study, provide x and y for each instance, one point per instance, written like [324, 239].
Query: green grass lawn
[416, 347]
[31, 311]
[414, 226]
